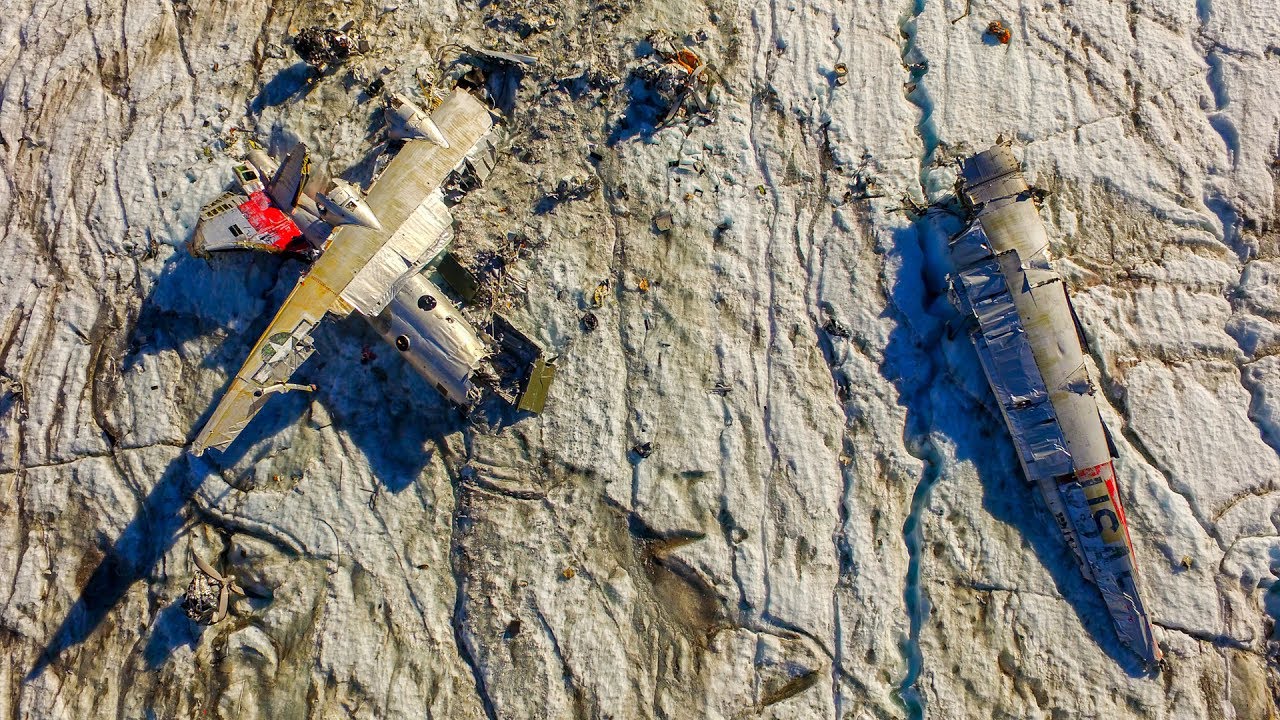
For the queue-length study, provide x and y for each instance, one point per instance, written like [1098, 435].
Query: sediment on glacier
[831, 522]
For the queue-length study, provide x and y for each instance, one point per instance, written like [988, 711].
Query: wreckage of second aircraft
[1030, 345]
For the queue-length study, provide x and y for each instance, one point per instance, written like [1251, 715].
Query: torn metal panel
[1007, 360]
[971, 246]
[473, 171]
[509, 58]
[1093, 506]
[534, 395]
[988, 175]
[995, 186]
[418, 240]
[1028, 341]
[459, 278]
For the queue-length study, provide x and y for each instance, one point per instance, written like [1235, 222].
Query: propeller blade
[224, 596]
[204, 567]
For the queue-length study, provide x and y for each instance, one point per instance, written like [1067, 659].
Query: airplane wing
[280, 350]
[360, 269]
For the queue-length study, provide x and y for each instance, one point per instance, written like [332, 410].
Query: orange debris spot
[686, 59]
[1000, 32]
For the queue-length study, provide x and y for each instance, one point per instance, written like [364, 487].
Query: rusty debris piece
[320, 46]
[682, 79]
[597, 297]
[687, 59]
[997, 30]
[842, 74]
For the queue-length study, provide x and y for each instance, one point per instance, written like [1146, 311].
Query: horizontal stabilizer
[286, 185]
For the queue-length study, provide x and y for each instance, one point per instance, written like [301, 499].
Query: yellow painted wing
[279, 352]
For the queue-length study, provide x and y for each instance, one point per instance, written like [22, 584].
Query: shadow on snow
[390, 413]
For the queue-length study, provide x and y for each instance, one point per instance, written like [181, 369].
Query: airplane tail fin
[286, 186]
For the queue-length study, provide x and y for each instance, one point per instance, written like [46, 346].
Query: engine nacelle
[342, 205]
[265, 164]
[406, 121]
[315, 230]
[424, 327]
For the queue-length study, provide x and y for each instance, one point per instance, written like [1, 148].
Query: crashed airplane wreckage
[375, 250]
[1030, 345]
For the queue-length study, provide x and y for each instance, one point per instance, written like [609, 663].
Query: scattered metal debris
[590, 322]
[322, 47]
[576, 187]
[662, 221]
[643, 450]
[508, 58]
[682, 79]
[836, 329]
[720, 389]
[209, 594]
[475, 169]
[842, 74]
[863, 185]
[493, 283]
